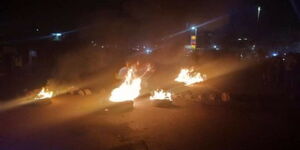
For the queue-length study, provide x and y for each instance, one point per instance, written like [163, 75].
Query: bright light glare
[258, 13]
[148, 51]
[274, 54]
[216, 47]
[56, 34]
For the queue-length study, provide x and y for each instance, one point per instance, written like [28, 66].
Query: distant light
[102, 46]
[258, 8]
[37, 29]
[193, 28]
[239, 39]
[245, 39]
[258, 13]
[189, 47]
[32, 53]
[274, 54]
[216, 47]
[57, 34]
[148, 51]
[253, 47]
[193, 37]
[283, 59]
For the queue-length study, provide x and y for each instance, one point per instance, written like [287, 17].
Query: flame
[44, 93]
[128, 90]
[189, 77]
[161, 95]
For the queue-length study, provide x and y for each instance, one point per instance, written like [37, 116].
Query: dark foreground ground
[75, 123]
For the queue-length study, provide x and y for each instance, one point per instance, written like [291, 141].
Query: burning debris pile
[161, 98]
[189, 77]
[131, 86]
[161, 95]
[128, 90]
[124, 95]
[132, 82]
[44, 94]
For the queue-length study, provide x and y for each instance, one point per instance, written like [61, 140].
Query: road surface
[76, 123]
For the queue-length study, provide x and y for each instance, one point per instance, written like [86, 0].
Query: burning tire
[161, 98]
[162, 103]
[81, 92]
[216, 98]
[46, 101]
[225, 97]
[85, 92]
[206, 97]
[43, 97]
[120, 106]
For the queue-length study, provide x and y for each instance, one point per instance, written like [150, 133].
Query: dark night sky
[149, 18]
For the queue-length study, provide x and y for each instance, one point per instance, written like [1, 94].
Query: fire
[128, 90]
[189, 77]
[161, 95]
[44, 93]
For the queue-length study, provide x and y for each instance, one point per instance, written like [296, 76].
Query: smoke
[78, 65]
[127, 24]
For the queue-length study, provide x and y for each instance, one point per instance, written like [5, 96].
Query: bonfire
[44, 94]
[161, 95]
[129, 89]
[189, 77]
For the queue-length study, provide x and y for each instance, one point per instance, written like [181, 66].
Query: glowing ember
[189, 77]
[44, 93]
[161, 95]
[128, 90]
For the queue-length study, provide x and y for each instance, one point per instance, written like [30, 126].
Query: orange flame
[43, 94]
[189, 77]
[161, 95]
[128, 90]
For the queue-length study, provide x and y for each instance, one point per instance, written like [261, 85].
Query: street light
[148, 51]
[274, 54]
[195, 29]
[258, 13]
[56, 36]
